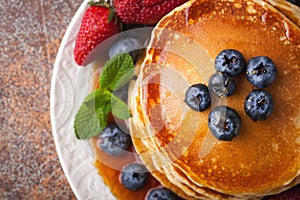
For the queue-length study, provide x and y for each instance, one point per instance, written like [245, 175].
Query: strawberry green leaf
[117, 71]
[119, 108]
[112, 16]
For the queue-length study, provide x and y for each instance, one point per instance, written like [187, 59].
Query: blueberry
[224, 123]
[162, 194]
[258, 105]
[197, 97]
[261, 71]
[296, 2]
[220, 85]
[127, 27]
[134, 176]
[114, 141]
[230, 62]
[126, 45]
[122, 93]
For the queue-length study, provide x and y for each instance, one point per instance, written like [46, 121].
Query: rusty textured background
[30, 34]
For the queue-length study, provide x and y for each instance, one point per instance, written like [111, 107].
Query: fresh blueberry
[220, 85]
[197, 97]
[230, 62]
[296, 2]
[127, 27]
[224, 123]
[259, 105]
[126, 45]
[122, 93]
[134, 176]
[261, 71]
[114, 141]
[162, 194]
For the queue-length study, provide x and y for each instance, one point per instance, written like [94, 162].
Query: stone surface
[30, 34]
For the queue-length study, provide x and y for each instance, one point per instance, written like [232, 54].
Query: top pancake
[264, 158]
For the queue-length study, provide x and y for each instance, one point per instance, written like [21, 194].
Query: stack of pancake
[174, 142]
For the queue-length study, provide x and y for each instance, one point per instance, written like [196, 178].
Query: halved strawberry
[96, 27]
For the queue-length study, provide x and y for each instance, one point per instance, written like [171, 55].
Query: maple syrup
[111, 175]
[109, 167]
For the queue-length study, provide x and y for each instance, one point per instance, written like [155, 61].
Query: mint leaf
[117, 71]
[91, 118]
[102, 116]
[100, 101]
[119, 108]
[86, 123]
[98, 98]
[91, 98]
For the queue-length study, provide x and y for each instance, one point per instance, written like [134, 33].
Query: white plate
[70, 84]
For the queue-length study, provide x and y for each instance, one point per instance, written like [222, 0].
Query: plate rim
[55, 72]
[63, 43]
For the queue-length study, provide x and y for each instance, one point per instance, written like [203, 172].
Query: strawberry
[95, 28]
[144, 11]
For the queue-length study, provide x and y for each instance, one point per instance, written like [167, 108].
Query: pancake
[174, 142]
[291, 11]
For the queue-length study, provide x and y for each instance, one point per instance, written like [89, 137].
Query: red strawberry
[144, 11]
[94, 29]
[151, 2]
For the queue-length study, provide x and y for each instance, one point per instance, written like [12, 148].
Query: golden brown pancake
[174, 142]
[291, 11]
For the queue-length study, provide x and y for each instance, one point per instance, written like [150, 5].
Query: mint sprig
[119, 108]
[92, 116]
[117, 72]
